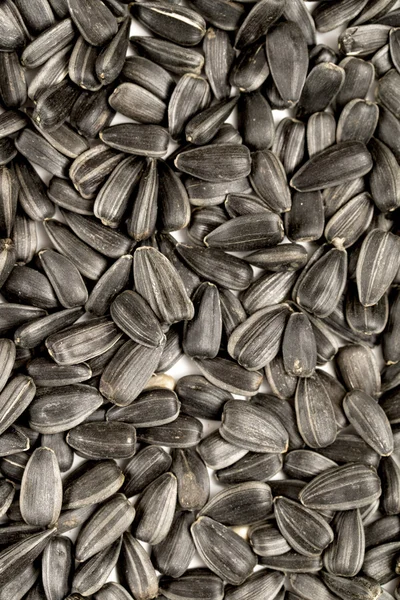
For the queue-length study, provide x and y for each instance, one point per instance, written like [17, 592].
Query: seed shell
[90, 575]
[91, 484]
[111, 59]
[257, 22]
[155, 509]
[191, 583]
[170, 56]
[36, 330]
[15, 559]
[216, 162]
[136, 569]
[172, 556]
[103, 440]
[95, 21]
[137, 103]
[143, 468]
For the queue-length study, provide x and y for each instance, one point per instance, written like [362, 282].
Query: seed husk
[247, 232]
[95, 21]
[219, 56]
[296, 12]
[111, 59]
[90, 168]
[172, 556]
[39, 151]
[345, 556]
[369, 420]
[192, 479]
[36, 330]
[143, 468]
[191, 584]
[59, 409]
[65, 278]
[15, 397]
[359, 75]
[328, 16]
[90, 575]
[13, 84]
[199, 339]
[380, 562]
[241, 504]
[103, 440]
[223, 551]
[136, 569]
[269, 181]
[266, 540]
[363, 40]
[389, 473]
[259, 585]
[8, 256]
[200, 398]
[254, 466]
[306, 464]
[336, 489]
[155, 509]
[347, 225]
[64, 454]
[152, 408]
[15, 559]
[81, 68]
[321, 132]
[131, 313]
[183, 432]
[282, 384]
[305, 221]
[57, 567]
[104, 527]
[109, 285]
[358, 121]
[204, 125]
[230, 376]
[385, 177]
[149, 75]
[49, 42]
[54, 70]
[221, 13]
[170, 56]
[91, 484]
[216, 162]
[250, 69]
[91, 113]
[359, 369]
[137, 103]
[63, 194]
[14, 35]
[217, 453]
[258, 21]
[143, 140]
[25, 284]
[292, 562]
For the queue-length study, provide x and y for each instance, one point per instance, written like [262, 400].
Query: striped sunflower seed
[266, 540]
[252, 467]
[95, 21]
[347, 225]
[149, 75]
[192, 479]
[28, 285]
[128, 372]
[92, 483]
[321, 132]
[268, 179]
[104, 527]
[65, 278]
[369, 420]
[206, 193]
[363, 40]
[14, 35]
[345, 556]
[191, 584]
[200, 338]
[131, 313]
[282, 384]
[232, 311]
[306, 464]
[385, 177]
[290, 140]
[54, 70]
[110, 590]
[309, 586]
[133, 138]
[216, 162]
[380, 562]
[219, 55]
[142, 222]
[382, 61]
[204, 125]
[103, 440]
[327, 16]
[284, 257]
[230, 376]
[9, 190]
[8, 256]
[81, 67]
[389, 473]
[170, 56]
[15, 397]
[357, 121]
[151, 409]
[32, 192]
[296, 12]
[258, 21]
[387, 130]
[315, 414]
[241, 504]
[390, 346]
[137, 103]
[137, 571]
[91, 113]
[321, 87]
[350, 447]
[57, 567]
[39, 151]
[109, 285]
[190, 96]
[335, 197]
[173, 201]
[17, 558]
[359, 369]
[63, 194]
[200, 398]
[310, 541]
[359, 75]
[143, 468]
[57, 443]
[90, 168]
[7, 491]
[250, 69]
[33, 332]
[347, 487]
[155, 509]
[378, 11]
[111, 59]
[247, 232]
[292, 562]
[259, 585]
[37, 15]
[382, 530]
[59, 409]
[221, 13]
[13, 84]
[183, 432]
[92, 574]
[7, 360]
[217, 453]
[305, 221]
[25, 237]
[223, 551]
[48, 43]
[172, 556]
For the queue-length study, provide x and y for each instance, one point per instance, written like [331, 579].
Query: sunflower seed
[57, 443]
[299, 360]
[142, 222]
[375, 11]
[219, 56]
[389, 473]
[103, 440]
[198, 340]
[14, 399]
[346, 487]
[104, 527]
[309, 586]
[269, 181]
[321, 87]
[79, 401]
[204, 193]
[390, 346]
[248, 232]
[199, 398]
[95, 21]
[364, 39]
[170, 56]
[183, 432]
[382, 61]
[220, 13]
[57, 567]
[256, 117]
[386, 132]
[17, 558]
[225, 553]
[13, 31]
[13, 315]
[28, 285]
[350, 447]
[25, 238]
[155, 509]
[266, 540]
[65, 279]
[192, 479]
[137, 103]
[144, 140]
[91, 113]
[217, 453]
[31, 334]
[282, 384]
[315, 414]
[81, 68]
[131, 313]
[292, 562]
[7, 491]
[91, 484]
[380, 562]
[357, 121]
[230, 376]
[345, 556]
[204, 125]
[335, 197]
[232, 311]
[306, 464]
[90, 575]
[321, 132]
[250, 69]
[359, 75]
[216, 162]
[328, 16]
[240, 504]
[136, 569]
[9, 190]
[384, 177]
[52, 72]
[64, 195]
[369, 420]
[39, 151]
[144, 468]
[109, 285]
[8, 256]
[191, 584]
[148, 75]
[259, 585]
[89, 170]
[7, 360]
[258, 21]
[49, 42]
[359, 369]
[111, 59]
[13, 84]
[172, 556]
[252, 467]
[167, 245]
[305, 221]
[347, 225]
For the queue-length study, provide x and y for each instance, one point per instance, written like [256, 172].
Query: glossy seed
[57, 567]
[369, 420]
[315, 414]
[380, 562]
[155, 509]
[136, 570]
[89, 170]
[90, 575]
[95, 21]
[292, 562]
[64, 454]
[14, 399]
[145, 467]
[191, 583]
[359, 75]
[149, 75]
[241, 504]
[65, 279]
[92, 484]
[37, 150]
[358, 121]
[250, 69]
[321, 132]
[219, 56]
[217, 453]
[144, 140]
[81, 68]
[14, 35]
[15, 559]
[109, 285]
[384, 177]
[33, 332]
[215, 162]
[248, 232]
[183, 432]
[257, 22]
[221, 13]
[347, 225]
[328, 16]
[50, 41]
[269, 181]
[8, 256]
[192, 479]
[299, 359]
[266, 540]
[378, 248]
[254, 466]
[132, 314]
[137, 103]
[345, 555]
[170, 56]
[363, 40]
[359, 369]
[13, 84]
[230, 376]
[305, 221]
[103, 440]
[91, 113]
[172, 556]
[111, 59]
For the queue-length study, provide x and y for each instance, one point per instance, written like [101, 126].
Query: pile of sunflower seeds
[305, 463]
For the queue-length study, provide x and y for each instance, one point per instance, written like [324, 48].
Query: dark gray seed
[54, 105]
[363, 40]
[14, 399]
[390, 347]
[378, 248]
[112, 200]
[57, 567]
[334, 166]
[232, 311]
[142, 222]
[53, 71]
[369, 420]
[247, 232]
[241, 504]
[59, 409]
[128, 372]
[292, 144]
[83, 341]
[258, 21]
[70, 519]
[305, 221]
[109, 591]
[48, 43]
[64, 195]
[252, 467]
[13, 33]
[131, 313]
[388, 130]
[292, 562]
[172, 351]
[23, 584]
[216, 162]
[384, 529]
[92, 483]
[385, 177]
[223, 551]
[57, 443]
[306, 464]
[359, 369]
[144, 140]
[119, 11]
[321, 87]
[382, 61]
[219, 55]
[387, 91]
[7, 360]
[25, 238]
[380, 562]
[103, 440]
[7, 491]
[202, 193]
[321, 132]
[41, 489]
[287, 55]
[173, 201]
[145, 467]
[33, 332]
[250, 69]
[36, 15]
[13, 84]
[257, 124]
[167, 245]
[90, 263]
[260, 585]
[296, 12]
[183, 432]
[91, 113]
[111, 59]
[155, 510]
[137, 103]
[299, 350]
[345, 556]
[358, 121]
[335, 197]
[315, 414]
[359, 76]
[89, 170]
[13, 315]
[264, 431]
[350, 447]
[337, 323]
[202, 335]
[266, 540]
[64, 138]
[347, 225]
[160, 284]
[39, 151]
[199, 398]
[9, 191]
[336, 393]
[204, 125]
[309, 586]
[230, 376]
[191, 584]
[81, 67]
[268, 179]
[176, 23]
[329, 15]
[390, 377]
[148, 75]
[192, 479]
[95, 21]
[349, 486]
[394, 47]
[104, 527]
[170, 56]
[65, 278]
[264, 328]
[32, 192]
[136, 571]
[375, 11]
[91, 575]
[389, 473]
[7, 151]
[12, 467]
[305, 530]
[109, 285]
[220, 13]
[191, 95]
[273, 96]
[282, 384]
[28, 285]
[15, 559]
[172, 556]
[217, 453]
[8, 256]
